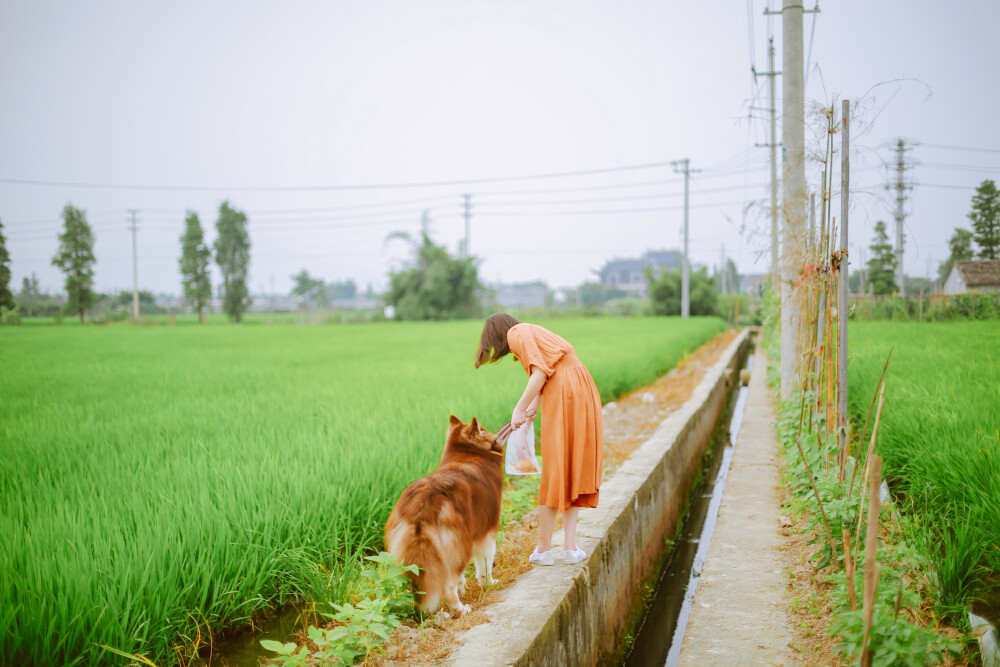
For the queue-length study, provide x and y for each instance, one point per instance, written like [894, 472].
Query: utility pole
[270, 311]
[774, 168]
[773, 145]
[723, 270]
[793, 190]
[685, 262]
[900, 216]
[468, 218]
[425, 221]
[135, 269]
[811, 239]
[861, 258]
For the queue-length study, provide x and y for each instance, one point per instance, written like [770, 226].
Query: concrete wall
[577, 614]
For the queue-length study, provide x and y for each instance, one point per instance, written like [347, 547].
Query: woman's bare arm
[529, 398]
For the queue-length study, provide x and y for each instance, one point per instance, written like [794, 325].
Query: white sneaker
[544, 558]
[570, 557]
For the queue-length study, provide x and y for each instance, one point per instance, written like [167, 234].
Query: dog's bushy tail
[412, 545]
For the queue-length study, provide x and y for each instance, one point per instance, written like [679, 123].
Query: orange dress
[572, 424]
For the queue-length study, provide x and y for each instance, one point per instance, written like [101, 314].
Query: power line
[958, 148]
[115, 214]
[321, 209]
[333, 188]
[959, 167]
[621, 211]
[943, 185]
[601, 200]
[317, 188]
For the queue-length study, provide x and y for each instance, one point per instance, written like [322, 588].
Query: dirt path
[628, 422]
[739, 615]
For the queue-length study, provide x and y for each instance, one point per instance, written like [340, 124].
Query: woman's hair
[493, 343]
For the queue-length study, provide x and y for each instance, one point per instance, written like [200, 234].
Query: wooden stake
[849, 570]
[871, 549]
[871, 445]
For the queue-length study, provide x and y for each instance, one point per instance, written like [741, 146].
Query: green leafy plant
[384, 599]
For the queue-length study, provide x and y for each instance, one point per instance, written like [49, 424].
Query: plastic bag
[519, 455]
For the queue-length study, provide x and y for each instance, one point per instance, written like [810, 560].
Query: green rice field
[940, 440]
[160, 480]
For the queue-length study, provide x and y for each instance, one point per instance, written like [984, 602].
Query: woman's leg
[546, 521]
[569, 528]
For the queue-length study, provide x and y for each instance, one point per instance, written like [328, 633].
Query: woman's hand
[517, 417]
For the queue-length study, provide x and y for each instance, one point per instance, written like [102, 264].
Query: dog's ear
[474, 425]
[454, 421]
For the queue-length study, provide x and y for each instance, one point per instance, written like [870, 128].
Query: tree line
[75, 258]
[434, 285]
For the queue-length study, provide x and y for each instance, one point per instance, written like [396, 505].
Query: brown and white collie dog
[451, 516]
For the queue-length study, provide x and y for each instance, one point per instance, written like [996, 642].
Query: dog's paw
[483, 581]
[461, 609]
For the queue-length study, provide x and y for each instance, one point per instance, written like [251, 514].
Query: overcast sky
[293, 111]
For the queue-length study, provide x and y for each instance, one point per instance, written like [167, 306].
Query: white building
[975, 275]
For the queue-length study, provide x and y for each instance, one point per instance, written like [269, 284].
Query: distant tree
[195, 257]
[311, 290]
[593, 293]
[147, 302]
[29, 293]
[435, 285]
[882, 265]
[232, 254]
[76, 259]
[347, 289]
[960, 245]
[728, 278]
[665, 295]
[985, 217]
[6, 296]
[919, 285]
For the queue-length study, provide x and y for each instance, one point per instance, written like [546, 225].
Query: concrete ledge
[577, 614]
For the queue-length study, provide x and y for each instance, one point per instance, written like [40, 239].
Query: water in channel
[660, 635]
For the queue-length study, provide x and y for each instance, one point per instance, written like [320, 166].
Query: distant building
[752, 283]
[279, 303]
[629, 274]
[974, 275]
[522, 295]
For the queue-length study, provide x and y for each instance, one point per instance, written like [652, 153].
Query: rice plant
[158, 481]
[940, 438]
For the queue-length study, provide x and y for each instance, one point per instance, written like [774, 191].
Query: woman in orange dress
[572, 425]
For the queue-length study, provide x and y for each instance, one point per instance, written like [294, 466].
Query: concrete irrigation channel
[580, 614]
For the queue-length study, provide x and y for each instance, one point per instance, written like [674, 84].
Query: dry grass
[635, 417]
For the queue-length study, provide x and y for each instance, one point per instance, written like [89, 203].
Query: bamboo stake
[852, 595]
[864, 432]
[844, 280]
[871, 569]
[871, 445]
[868, 455]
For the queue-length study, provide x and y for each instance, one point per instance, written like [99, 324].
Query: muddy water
[660, 635]
[244, 649]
